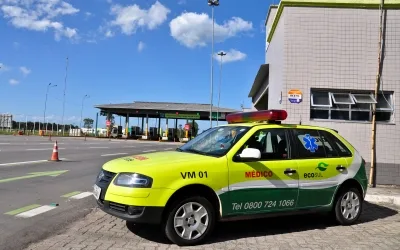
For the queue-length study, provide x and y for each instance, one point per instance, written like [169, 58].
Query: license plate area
[96, 191]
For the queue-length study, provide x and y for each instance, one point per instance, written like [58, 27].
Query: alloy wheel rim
[350, 205]
[191, 221]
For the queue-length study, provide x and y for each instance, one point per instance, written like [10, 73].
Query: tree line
[35, 125]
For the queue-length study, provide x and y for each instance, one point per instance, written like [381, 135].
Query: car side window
[341, 148]
[313, 144]
[272, 144]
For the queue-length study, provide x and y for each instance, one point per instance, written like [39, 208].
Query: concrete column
[127, 125]
[147, 125]
[166, 128]
[192, 127]
[108, 127]
[159, 127]
[142, 125]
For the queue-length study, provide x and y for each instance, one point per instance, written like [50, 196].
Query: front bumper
[136, 214]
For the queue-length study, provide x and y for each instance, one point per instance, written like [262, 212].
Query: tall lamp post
[45, 102]
[212, 3]
[83, 99]
[221, 54]
[65, 88]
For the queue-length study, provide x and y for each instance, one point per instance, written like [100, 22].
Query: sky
[122, 51]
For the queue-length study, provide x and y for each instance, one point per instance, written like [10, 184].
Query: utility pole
[65, 88]
[221, 54]
[45, 103]
[83, 99]
[212, 3]
[372, 173]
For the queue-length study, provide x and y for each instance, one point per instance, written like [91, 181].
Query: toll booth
[172, 134]
[135, 131]
[153, 132]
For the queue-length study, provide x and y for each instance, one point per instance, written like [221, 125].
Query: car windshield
[215, 141]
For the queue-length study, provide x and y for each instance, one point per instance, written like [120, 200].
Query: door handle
[340, 168]
[290, 171]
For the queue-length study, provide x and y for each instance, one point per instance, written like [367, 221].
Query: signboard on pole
[220, 115]
[187, 127]
[192, 116]
[108, 123]
[6, 121]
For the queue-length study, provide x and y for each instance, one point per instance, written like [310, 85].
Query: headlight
[133, 180]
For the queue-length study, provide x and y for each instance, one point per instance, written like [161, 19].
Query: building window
[351, 105]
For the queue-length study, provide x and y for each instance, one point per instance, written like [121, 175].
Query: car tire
[203, 221]
[348, 206]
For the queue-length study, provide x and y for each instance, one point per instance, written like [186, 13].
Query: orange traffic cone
[54, 156]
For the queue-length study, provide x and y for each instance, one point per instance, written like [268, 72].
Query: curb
[387, 199]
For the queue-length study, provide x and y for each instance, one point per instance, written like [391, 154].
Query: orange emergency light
[257, 116]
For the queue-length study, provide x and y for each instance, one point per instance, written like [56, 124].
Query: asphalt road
[38, 197]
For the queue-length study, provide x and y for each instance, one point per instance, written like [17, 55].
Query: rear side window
[342, 150]
[310, 143]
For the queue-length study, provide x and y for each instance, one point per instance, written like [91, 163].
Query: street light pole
[83, 99]
[65, 88]
[221, 54]
[212, 3]
[45, 103]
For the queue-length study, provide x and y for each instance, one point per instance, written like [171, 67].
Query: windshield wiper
[197, 152]
[179, 150]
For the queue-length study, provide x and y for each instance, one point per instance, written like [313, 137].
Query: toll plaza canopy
[165, 110]
[159, 111]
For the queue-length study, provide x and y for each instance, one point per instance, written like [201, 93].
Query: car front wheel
[348, 206]
[190, 221]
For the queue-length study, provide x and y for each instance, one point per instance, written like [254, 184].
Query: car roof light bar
[257, 116]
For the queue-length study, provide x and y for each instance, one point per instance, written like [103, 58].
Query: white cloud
[13, 82]
[132, 17]
[39, 15]
[262, 26]
[73, 119]
[193, 29]
[232, 55]
[3, 67]
[25, 70]
[141, 46]
[109, 33]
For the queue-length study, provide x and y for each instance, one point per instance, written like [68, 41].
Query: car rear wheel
[190, 221]
[348, 206]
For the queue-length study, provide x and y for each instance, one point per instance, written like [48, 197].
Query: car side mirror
[250, 154]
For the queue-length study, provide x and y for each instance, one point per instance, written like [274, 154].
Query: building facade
[321, 66]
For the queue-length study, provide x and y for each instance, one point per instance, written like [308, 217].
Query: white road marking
[22, 162]
[39, 149]
[92, 143]
[129, 147]
[147, 151]
[5, 143]
[25, 162]
[35, 211]
[51, 143]
[115, 154]
[81, 195]
[168, 149]
[99, 147]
